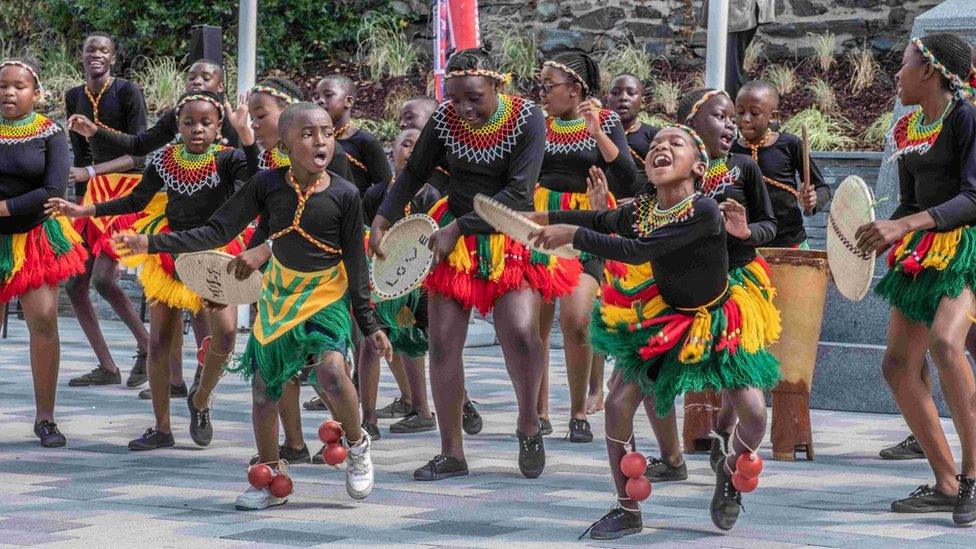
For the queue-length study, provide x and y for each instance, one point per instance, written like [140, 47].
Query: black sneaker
[470, 418]
[924, 499]
[442, 467]
[718, 451]
[579, 430]
[659, 470]
[372, 430]
[906, 449]
[151, 440]
[397, 408]
[201, 428]
[545, 426]
[532, 454]
[964, 514]
[138, 376]
[726, 501]
[98, 376]
[619, 522]
[49, 434]
[175, 391]
[291, 455]
[414, 423]
[316, 404]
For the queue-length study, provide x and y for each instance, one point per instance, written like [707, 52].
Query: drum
[800, 278]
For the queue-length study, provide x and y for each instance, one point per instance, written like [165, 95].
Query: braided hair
[581, 68]
[283, 90]
[28, 64]
[952, 57]
[474, 62]
[202, 95]
[692, 101]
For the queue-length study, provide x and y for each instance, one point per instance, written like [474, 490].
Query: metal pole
[718, 28]
[247, 40]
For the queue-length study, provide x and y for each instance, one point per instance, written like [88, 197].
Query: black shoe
[964, 513]
[151, 440]
[397, 408]
[924, 499]
[545, 426]
[726, 501]
[315, 404]
[579, 430]
[175, 391]
[372, 430]
[471, 419]
[440, 468]
[137, 376]
[619, 522]
[414, 423]
[718, 452]
[49, 434]
[532, 454]
[98, 376]
[201, 428]
[292, 456]
[906, 449]
[659, 470]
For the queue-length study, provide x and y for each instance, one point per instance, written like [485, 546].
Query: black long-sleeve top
[33, 168]
[689, 258]
[503, 163]
[363, 150]
[571, 151]
[639, 144]
[943, 180]
[782, 162]
[749, 190]
[422, 202]
[189, 203]
[258, 160]
[166, 129]
[332, 216]
[122, 108]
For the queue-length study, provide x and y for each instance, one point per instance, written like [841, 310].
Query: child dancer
[687, 328]
[318, 267]
[932, 262]
[103, 172]
[626, 98]
[580, 136]
[492, 143]
[198, 176]
[36, 251]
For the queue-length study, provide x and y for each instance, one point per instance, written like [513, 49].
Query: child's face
[204, 77]
[18, 92]
[199, 124]
[264, 110]
[402, 148]
[714, 125]
[310, 140]
[475, 98]
[560, 93]
[414, 115]
[910, 87]
[626, 97]
[673, 158]
[330, 96]
[754, 109]
[97, 56]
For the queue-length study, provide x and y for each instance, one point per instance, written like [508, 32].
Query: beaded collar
[909, 135]
[569, 136]
[490, 142]
[184, 172]
[648, 217]
[272, 159]
[718, 177]
[32, 126]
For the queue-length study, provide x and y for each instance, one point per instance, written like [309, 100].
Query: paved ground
[97, 493]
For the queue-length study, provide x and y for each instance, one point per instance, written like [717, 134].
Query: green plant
[864, 70]
[877, 132]
[515, 51]
[396, 98]
[824, 46]
[653, 119]
[826, 132]
[823, 95]
[630, 58]
[162, 81]
[753, 52]
[665, 95]
[385, 129]
[384, 49]
[782, 77]
[59, 70]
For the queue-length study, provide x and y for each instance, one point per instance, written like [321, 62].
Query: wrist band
[91, 171]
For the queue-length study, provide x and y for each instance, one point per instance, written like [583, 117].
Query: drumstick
[805, 188]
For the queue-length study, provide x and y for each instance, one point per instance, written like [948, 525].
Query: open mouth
[726, 140]
[661, 160]
[321, 159]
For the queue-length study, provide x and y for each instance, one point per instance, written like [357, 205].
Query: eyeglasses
[547, 88]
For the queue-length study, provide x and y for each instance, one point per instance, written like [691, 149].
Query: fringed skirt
[483, 267]
[926, 266]
[668, 351]
[300, 314]
[43, 256]
[96, 232]
[754, 279]
[546, 200]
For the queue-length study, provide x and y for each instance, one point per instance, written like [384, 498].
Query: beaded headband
[704, 99]
[502, 78]
[963, 88]
[201, 97]
[573, 74]
[702, 151]
[27, 68]
[277, 94]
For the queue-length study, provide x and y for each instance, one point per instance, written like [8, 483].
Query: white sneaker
[254, 499]
[359, 469]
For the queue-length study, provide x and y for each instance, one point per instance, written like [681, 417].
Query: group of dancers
[668, 284]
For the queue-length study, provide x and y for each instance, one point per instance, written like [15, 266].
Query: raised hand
[591, 114]
[81, 125]
[597, 189]
[736, 223]
[129, 243]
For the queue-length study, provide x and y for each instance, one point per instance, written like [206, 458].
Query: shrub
[877, 132]
[384, 49]
[653, 119]
[823, 95]
[824, 46]
[59, 67]
[665, 95]
[827, 133]
[864, 70]
[751, 60]
[162, 81]
[783, 78]
[384, 129]
[627, 58]
[515, 51]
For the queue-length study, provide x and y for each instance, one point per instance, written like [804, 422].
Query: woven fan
[515, 225]
[206, 274]
[852, 269]
[407, 259]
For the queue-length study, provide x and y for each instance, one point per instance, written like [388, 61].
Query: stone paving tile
[97, 493]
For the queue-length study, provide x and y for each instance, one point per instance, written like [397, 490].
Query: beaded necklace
[95, 100]
[299, 209]
[342, 129]
[718, 176]
[909, 135]
[272, 159]
[489, 142]
[754, 148]
[32, 126]
[638, 159]
[649, 217]
[569, 136]
[184, 172]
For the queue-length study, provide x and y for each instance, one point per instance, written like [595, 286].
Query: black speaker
[206, 42]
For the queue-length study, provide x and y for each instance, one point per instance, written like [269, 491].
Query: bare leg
[413, 370]
[547, 312]
[291, 415]
[447, 334]
[368, 366]
[41, 313]
[622, 401]
[574, 319]
[517, 325]
[77, 288]
[105, 280]
[223, 327]
[594, 397]
[403, 381]
[666, 432]
[264, 418]
[165, 332]
[751, 408]
[334, 385]
[726, 416]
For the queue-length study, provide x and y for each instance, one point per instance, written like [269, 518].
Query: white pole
[247, 39]
[718, 26]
